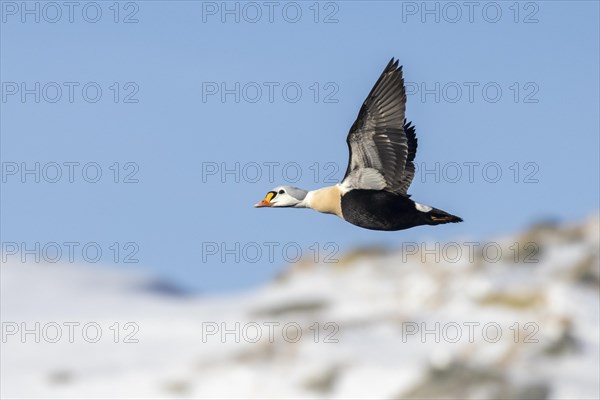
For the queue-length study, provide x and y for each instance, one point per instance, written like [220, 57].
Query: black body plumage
[386, 211]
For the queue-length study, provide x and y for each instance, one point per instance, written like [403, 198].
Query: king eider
[382, 147]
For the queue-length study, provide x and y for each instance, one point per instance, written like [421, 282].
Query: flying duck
[373, 193]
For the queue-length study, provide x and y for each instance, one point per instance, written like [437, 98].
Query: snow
[373, 327]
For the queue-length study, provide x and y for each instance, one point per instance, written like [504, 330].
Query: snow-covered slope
[375, 325]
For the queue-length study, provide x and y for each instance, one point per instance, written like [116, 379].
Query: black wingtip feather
[412, 141]
[393, 66]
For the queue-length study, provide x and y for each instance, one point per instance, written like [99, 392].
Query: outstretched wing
[382, 145]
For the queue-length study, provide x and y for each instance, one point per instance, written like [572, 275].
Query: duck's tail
[437, 217]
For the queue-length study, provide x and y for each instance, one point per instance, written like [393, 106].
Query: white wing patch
[363, 178]
[422, 207]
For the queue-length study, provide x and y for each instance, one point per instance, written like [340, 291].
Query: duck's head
[284, 196]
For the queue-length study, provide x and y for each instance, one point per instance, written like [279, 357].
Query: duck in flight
[373, 193]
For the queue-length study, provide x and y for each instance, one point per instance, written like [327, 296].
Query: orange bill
[266, 202]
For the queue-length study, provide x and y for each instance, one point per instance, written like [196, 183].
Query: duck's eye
[281, 191]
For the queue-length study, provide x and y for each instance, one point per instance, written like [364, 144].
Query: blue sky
[515, 93]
